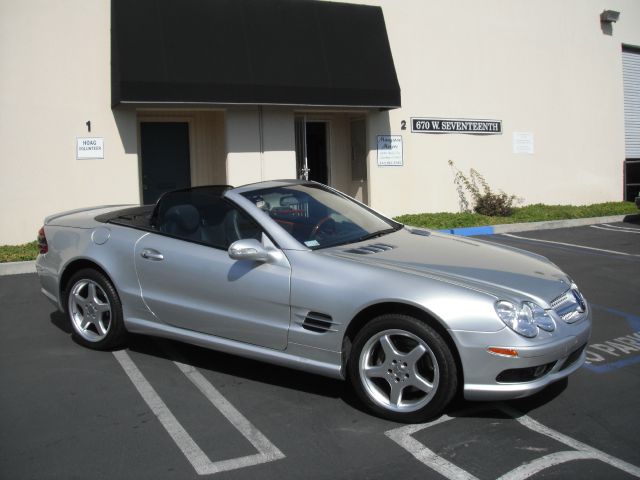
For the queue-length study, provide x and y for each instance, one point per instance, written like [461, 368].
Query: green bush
[485, 201]
[529, 213]
[18, 253]
[494, 204]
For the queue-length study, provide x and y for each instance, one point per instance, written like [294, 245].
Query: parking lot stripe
[631, 229]
[423, 454]
[615, 252]
[529, 469]
[571, 442]
[196, 457]
[402, 436]
[610, 228]
[268, 451]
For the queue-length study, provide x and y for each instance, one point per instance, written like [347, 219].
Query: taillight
[43, 246]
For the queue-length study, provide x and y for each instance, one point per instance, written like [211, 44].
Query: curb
[524, 227]
[15, 268]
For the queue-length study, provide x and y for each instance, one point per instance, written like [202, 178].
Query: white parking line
[529, 469]
[613, 228]
[571, 245]
[402, 436]
[634, 229]
[201, 463]
[196, 457]
[268, 452]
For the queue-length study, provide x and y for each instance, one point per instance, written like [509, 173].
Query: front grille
[373, 248]
[569, 306]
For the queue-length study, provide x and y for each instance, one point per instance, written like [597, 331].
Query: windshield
[318, 217]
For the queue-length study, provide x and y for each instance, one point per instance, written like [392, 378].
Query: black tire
[435, 364]
[96, 320]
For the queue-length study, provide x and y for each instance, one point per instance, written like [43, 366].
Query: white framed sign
[89, 148]
[389, 150]
[523, 142]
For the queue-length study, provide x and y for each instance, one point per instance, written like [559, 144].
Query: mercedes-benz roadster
[298, 274]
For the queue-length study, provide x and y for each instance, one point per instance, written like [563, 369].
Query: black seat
[183, 221]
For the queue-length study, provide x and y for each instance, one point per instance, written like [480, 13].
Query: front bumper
[557, 358]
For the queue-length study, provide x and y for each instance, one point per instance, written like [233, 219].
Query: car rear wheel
[402, 369]
[94, 310]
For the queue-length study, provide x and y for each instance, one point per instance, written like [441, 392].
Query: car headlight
[525, 318]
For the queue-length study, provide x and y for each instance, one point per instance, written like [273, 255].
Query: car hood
[498, 270]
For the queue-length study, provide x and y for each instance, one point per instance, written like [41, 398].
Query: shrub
[484, 200]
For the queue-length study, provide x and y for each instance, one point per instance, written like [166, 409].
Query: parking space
[162, 409]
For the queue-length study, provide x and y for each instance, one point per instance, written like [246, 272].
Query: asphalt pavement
[162, 409]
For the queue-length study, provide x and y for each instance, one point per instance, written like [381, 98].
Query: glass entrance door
[312, 150]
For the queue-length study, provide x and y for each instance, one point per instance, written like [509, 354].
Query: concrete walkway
[15, 268]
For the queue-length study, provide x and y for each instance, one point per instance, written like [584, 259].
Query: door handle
[151, 254]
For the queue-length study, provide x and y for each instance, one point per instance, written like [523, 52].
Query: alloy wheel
[398, 370]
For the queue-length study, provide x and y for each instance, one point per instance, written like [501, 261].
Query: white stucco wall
[544, 67]
[55, 76]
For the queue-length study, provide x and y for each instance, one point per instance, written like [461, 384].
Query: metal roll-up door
[631, 80]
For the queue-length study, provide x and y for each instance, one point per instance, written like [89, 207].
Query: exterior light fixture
[609, 16]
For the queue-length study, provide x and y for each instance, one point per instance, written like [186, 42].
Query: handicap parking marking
[580, 451]
[267, 451]
[618, 352]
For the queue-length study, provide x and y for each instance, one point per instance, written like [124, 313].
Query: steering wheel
[321, 227]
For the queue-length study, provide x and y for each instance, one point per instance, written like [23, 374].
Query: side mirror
[248, 249]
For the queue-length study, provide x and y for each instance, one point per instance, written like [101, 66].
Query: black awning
[285, 52]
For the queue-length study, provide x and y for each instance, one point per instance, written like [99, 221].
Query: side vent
[373, 248]
[319, 323]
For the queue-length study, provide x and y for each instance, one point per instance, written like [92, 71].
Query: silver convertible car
[298, 274]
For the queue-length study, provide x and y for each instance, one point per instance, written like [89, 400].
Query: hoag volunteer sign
[89, 148]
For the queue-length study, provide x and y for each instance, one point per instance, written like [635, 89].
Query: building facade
[114, 102]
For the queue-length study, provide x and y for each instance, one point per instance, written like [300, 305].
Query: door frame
[164, 117]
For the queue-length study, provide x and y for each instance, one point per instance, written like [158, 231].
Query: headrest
[186, 217]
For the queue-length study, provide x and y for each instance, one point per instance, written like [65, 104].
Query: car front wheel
[402, 369]
[94, 309]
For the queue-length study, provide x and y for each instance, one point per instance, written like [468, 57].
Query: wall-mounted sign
[523, 142]
[456, 125]
[390, 150]
[89, 148]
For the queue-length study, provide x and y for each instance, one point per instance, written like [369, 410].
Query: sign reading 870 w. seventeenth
[456, 125]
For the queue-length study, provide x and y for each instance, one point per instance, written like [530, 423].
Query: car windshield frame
[317, 216]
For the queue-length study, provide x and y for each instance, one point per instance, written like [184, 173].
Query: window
[201, 215]
[318, 217]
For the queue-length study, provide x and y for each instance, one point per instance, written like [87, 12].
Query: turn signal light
[43, 246]
[507, 352]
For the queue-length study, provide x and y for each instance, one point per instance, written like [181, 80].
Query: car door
[195, 286]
